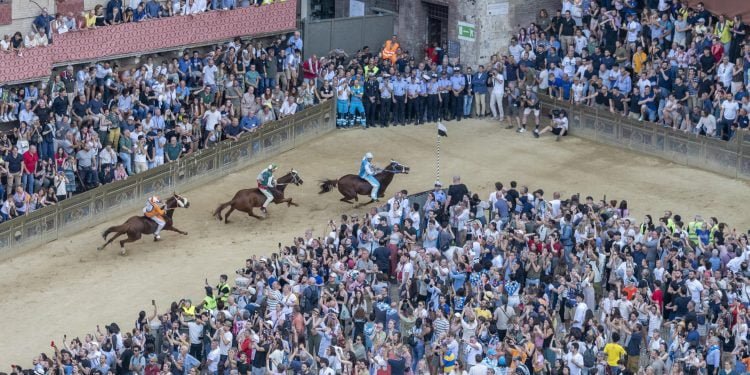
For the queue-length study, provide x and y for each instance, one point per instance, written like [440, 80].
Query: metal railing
[112, 200]
[728, 158]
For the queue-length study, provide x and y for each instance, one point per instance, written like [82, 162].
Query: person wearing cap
[371, 96]
[432, 105]
[357, 114]
[422, 99]
[399, 99]
[412, 100]
[386, 99]
[367, 171]
[444, 110]
[458, 90]
[266, 184]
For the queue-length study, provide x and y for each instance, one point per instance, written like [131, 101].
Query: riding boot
[264, 210]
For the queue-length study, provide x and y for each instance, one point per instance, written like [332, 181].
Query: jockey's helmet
[273, 167]
[368, 155]
[154, 199]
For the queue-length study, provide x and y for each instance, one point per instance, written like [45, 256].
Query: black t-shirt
[511, 196]
[704, 86]
[680, 91]
[568, 26]
[259, 360]
[14, 163]
[602, 98]
[80, 108]
[617, 101]
[457, 193]
[706, 62]
[634, 106]
[398, 366]
[43, 114]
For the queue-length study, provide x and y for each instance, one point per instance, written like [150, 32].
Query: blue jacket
[479, 83]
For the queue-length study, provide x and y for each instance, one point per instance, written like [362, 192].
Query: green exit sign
[466, 31]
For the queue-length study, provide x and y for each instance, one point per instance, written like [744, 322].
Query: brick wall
[148, 36]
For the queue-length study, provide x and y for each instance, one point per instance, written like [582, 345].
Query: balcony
[147, 37]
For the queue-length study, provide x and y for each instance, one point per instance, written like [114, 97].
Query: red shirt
[30, 161]
[658, 297]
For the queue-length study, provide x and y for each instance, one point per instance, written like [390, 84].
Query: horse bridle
[295, 179]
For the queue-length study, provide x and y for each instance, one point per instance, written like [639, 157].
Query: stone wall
[492, 31]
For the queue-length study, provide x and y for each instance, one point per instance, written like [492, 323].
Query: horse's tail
[221, 208]
[116, 229]
[327, 185]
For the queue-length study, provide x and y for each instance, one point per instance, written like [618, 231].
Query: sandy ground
[67, 286]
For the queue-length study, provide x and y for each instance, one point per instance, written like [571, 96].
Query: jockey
[266, 182]
[154, 210]
[367, 172]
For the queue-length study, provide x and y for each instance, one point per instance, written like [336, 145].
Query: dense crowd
[104, 122]
[519, 283]
[45, 26]
[657, 60]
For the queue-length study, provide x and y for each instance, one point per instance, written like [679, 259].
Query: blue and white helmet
[368, 155]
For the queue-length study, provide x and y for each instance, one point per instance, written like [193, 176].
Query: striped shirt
[274, 298]
[441, 327]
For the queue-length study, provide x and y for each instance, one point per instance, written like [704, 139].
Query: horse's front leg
[173, 229]
[288, 202]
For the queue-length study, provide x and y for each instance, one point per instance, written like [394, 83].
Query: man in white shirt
[724, 72]
[214, 356]
[209, 74]
[579, 316]
[496, 97]
[729, 109]
[473, 351]
[559, 126]
[574, 360]
[212, 117]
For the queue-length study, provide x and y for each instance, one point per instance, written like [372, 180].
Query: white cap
[368, 155]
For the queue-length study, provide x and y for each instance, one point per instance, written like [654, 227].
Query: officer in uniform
[412, 108]
[422, 100]
[386, 99]
[444, 112]
[399, 96]
[372, 93]
[433, 98]
[458, 85]
[356, 109]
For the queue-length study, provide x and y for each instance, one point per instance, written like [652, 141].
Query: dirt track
[67, 287]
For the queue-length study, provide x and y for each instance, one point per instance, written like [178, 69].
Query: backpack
[589, 357]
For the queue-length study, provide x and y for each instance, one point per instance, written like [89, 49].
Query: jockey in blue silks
[367, 171]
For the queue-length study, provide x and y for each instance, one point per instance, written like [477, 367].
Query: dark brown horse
[246, 200]
[136, 226]
[351, 185]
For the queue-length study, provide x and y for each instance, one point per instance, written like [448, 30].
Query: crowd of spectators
[103, 122]
[519, 283]
[656, 60]
[45, 26]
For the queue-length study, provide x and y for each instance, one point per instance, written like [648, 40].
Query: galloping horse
[136, 226]
[247, 199]
[351, 185]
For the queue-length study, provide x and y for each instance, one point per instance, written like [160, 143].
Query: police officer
[386, 99]
[412, 99]
[458, 85]
[444, 112]
[399, 96]
[372, 94]
[422, 100]
[433, 98]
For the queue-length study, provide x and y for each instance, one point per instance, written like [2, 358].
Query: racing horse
[136, 226]
[351, 185]
[246, 200]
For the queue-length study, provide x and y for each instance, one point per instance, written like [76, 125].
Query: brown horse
[351, 185]
[247, 199]
[136, 226]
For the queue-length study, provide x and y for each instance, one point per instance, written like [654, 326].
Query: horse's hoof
[100, 248]
[184, 233]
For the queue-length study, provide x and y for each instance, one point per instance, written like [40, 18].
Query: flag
[442, 130]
